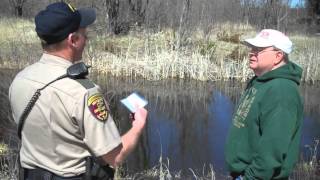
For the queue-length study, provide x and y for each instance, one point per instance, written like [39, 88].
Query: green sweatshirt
[263, 142]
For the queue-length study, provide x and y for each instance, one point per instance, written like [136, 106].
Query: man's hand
[139, 119]
[129, 139]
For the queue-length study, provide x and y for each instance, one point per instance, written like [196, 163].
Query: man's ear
[279, 57]
[72, 39]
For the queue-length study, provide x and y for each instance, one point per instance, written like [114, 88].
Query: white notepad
[133, 102]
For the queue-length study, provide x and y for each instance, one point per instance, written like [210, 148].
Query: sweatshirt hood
[289, 71]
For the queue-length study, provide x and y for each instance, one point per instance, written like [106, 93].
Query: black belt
[41, 174]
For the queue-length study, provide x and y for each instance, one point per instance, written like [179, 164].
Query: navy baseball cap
[58, 20]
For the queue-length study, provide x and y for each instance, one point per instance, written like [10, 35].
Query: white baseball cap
[271, 37]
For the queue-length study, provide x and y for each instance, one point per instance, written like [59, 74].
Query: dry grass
[308, 167]
[212, 55]
[17, 30]
[156, 57]
[19, 45]
[9, 164]
[162, 172]
[307, 54]
[3, 149]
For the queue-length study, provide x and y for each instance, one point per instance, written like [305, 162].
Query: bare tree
[113, 13]
[124, 14]
[274, 13]
[138, 10]
[313, 10]
[17, 6]
[184, 23]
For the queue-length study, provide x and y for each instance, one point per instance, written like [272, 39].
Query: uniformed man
[71, 120]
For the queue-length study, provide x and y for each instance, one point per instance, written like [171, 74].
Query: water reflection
[311, 123]
[220, 110]
[163, 139]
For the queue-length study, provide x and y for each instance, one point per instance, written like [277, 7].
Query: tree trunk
[19, 11]
[113, 13]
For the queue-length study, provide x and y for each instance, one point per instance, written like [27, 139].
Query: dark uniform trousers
[41, 174]
[96, 172]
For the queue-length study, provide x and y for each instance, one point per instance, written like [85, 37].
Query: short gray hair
[285, 55]
[51, 47]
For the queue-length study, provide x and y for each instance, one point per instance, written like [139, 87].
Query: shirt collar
[55, 60]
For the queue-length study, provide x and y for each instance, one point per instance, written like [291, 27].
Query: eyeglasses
[257, 51]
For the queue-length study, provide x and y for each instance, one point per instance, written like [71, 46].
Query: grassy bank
[213, 55]
[305, 169]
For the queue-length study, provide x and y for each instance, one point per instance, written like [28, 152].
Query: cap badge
[98, 107]
[72, 8]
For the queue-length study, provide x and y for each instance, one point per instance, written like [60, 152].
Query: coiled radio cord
[31, 103]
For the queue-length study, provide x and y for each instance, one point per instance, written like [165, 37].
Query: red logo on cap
[264, 34]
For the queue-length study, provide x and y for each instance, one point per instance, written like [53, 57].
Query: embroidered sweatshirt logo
[244, 107]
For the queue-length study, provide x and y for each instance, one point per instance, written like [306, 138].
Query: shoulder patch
[98, 107]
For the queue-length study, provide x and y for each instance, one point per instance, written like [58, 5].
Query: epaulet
[86, 83]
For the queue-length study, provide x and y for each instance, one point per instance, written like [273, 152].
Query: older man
[263, 141]
[71, 120]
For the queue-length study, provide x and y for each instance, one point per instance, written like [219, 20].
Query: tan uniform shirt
[67, 122]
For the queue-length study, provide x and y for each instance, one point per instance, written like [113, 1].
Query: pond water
[189, 120]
